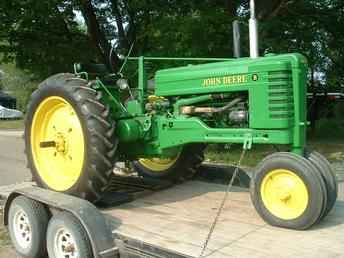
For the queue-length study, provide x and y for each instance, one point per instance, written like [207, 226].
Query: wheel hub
[22, 229]
[65, 245]
[57, 142]
[284, 194]
[61, 143]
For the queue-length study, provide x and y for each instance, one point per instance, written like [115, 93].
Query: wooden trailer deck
[179, 219]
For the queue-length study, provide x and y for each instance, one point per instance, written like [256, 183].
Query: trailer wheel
[69, 137]
[329, 178]
[27, 224]
[182, 167]
[67, 238]
[288, 191]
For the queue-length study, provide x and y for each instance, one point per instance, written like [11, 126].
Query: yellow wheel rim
[57, 143]
[284, 194]
[158, 165]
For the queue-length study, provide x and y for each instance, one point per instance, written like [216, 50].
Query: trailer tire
[288, 191]
[66, 236]
[183, 167]
[27, 223]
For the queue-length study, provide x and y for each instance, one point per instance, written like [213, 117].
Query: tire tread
[98, 128]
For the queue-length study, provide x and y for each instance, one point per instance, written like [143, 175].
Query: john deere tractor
[78, 125]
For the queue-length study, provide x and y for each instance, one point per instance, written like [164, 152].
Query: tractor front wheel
[69, 137]
[288, 191]
[329, 177]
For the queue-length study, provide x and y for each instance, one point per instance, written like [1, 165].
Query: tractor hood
[223, 76]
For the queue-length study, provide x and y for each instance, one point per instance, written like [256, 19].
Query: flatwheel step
[123, 189]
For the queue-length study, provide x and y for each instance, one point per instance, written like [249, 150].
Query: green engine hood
[222, 76]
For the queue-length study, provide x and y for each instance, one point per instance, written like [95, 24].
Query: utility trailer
[81, 228]
[172, 222]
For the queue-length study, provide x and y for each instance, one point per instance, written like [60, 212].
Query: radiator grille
[280, 95]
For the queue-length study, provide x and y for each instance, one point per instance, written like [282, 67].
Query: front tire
[329, 177]
[69, 137]
[287, 191]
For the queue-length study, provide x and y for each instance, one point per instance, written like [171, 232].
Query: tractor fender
[93, 221]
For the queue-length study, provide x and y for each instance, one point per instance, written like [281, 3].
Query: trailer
[162, 221]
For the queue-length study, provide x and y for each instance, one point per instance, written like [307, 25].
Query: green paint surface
[275, 87]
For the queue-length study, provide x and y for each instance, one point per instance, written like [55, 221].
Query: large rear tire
[69, 137]
[180, 168]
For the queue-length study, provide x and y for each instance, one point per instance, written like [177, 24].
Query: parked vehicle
[7, 113]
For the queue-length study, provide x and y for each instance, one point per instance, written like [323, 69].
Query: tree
[45, 38]
[42, 36]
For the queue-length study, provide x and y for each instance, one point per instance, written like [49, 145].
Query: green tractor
[79, 125]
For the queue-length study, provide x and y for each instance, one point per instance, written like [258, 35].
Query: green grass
[4, 238]
[328, 139]
[19, 83]
[11, 124]
[231, 155]
[332, 150]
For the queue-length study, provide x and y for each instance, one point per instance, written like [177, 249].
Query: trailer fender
[93, 221]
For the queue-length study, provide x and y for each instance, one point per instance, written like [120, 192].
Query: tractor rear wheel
[180, 168]
[288, 191]
[69, 138]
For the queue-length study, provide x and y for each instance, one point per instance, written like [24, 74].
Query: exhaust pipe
[236, 39]
[253, 23]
